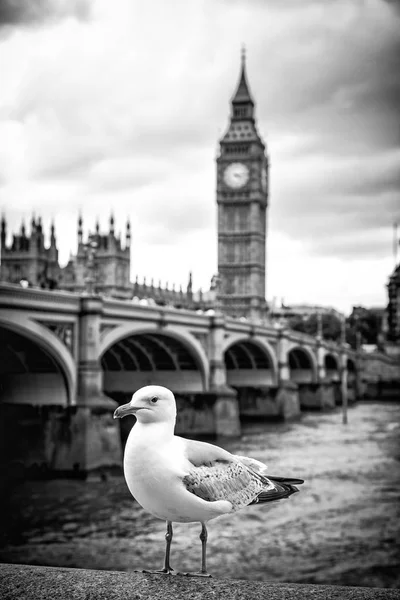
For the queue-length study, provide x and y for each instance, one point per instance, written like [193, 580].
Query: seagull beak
[125, 409]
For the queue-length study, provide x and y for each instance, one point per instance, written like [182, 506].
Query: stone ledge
[26, 582]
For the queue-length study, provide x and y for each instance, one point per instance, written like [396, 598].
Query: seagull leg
[203, 538]
[203, 572]
[168, 538]
[167, 570]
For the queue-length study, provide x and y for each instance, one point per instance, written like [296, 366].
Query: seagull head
[150, 404]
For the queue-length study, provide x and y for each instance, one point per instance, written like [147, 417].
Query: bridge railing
[13, 295]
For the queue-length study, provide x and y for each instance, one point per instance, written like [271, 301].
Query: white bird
[180, 480]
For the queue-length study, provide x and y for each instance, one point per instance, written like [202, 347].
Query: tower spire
[80, 230]
[128, 234]
[52, 234]
[242, 94]
[3, 231]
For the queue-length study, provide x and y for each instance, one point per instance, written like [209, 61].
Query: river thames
[342, 528]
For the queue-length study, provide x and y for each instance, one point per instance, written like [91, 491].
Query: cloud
[394, 3]
[131, 173]
[15, 13]
[348, 69]
[336, 203]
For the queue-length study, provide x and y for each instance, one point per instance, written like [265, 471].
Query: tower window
[238, 149]
[239, 112]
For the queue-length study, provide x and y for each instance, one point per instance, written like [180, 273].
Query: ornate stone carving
[64, 332]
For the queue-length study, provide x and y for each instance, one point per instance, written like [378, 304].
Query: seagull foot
[196, 574]
[156, 572]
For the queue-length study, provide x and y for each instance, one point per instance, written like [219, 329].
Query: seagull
[185, 481]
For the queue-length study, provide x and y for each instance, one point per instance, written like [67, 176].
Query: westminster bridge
[66, 360]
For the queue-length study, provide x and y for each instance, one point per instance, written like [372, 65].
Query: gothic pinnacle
[242, 94]
[243, 54]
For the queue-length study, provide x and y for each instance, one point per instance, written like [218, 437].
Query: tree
[366, 323]
[331, 325]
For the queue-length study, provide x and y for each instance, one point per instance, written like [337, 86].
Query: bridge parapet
[122, 309]
[331, 346]
[251, 326]
[14, 296]
[300, 338]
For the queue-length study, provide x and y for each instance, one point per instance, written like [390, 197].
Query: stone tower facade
[107, 257]
[242, 200]
[101, 266]
[27, 258]
[393, 308]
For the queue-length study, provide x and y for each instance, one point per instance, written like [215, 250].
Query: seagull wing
[253, 464]
[215, 474]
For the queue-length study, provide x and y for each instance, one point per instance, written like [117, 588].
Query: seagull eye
[154, 399]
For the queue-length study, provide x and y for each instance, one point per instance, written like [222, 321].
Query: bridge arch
[61, 383]
[143, 354]
[351, 365]
[250, 361]
[332, 366]
[302, 364]
[351, 379]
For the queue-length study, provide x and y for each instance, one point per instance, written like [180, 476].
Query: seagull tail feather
[283, 488]
[288, 480]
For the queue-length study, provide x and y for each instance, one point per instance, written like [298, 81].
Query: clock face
[236, 175]
[264, 178]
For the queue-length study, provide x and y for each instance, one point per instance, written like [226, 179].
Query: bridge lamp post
[90, 279]
[343, 372]
[215, 289]
[282, 366]
[358, 344]
[319, 325]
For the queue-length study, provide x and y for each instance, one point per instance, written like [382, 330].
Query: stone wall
[25, 582]
[51, 440]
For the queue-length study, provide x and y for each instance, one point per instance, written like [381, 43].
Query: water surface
[342, 528]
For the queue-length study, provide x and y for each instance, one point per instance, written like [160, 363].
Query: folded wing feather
[218, 475]
[224, 481]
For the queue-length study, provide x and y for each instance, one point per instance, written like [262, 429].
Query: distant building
[27, 259]
[304, 311]
[102, 261]
[393, 307]
[111, 263]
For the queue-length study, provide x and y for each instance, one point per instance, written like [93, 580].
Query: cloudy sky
[119, 106]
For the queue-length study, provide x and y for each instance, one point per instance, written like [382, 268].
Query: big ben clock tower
[242, 199]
